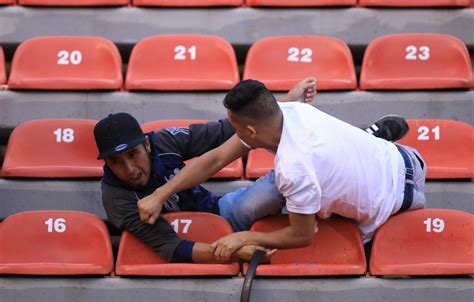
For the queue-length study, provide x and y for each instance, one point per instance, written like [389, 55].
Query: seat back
[66, 62]
[446, 146]
[53, 148]
[7, 2]
[336, 250]
[424, 242]
[259, 163]
[55, 243]
[232, 170]
[280, 62]
[3, 75]
[73, 2]
[192, 3]
[416, 61]
[136, 258]
[414, 3]
[182, 62]
[293, 3]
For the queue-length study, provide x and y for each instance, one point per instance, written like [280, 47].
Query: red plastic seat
[416, 61]
[3, 76]
[424, 242]
[182, 62]
[73, 2]
[280, 62]
[188, 2]
[259, 163]
[233, 170]
[55, 243]
[136, 258]
[53, 148]
[301, 2]
[7, 2]
[66, 62]
[446, 146]
[414, 3]
[336, 250]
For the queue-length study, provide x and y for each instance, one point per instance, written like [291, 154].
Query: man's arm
[299, 233]
[303, 91]
[197, 172]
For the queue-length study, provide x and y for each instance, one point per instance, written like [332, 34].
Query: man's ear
[147, 144]
[252, 131]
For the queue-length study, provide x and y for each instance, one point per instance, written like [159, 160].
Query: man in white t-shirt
[323, 166]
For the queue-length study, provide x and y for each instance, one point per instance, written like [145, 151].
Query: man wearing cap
[137, 164]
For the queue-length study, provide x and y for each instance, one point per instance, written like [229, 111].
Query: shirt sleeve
[194, 140]
[122, 211]
[302, 194]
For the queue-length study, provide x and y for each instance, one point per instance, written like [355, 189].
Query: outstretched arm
[303, 91]
[197, 172]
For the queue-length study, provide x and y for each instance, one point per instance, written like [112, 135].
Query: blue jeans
[247, 205]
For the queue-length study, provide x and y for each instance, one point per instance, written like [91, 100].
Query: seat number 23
[434, 225]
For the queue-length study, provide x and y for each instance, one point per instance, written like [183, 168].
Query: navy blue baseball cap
[117, 133]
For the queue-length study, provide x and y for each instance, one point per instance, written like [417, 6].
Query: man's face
[243, 131]
[133, 166]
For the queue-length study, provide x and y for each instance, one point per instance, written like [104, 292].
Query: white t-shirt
[324, 165]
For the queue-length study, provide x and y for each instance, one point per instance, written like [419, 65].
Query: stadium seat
[73, 2]
[53, 148]
[136, 258]
[336, 250]
[188, 2]
[424, 242]
[259, 163]
[3, 76]
[7, 2]
[280, 62]
[414, 3]
[233, 170]
[66, 62]
[416, 61]
[55, 243]
[277, 3]
[182, 62]
[446, 146]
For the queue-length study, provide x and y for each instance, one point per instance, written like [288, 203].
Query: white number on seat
[423, 53]
[180, 53]
[187, 223]
[436, 225]
[294, 55]
[424, 133]
[64, 135]
[56, 225]
[66, 58]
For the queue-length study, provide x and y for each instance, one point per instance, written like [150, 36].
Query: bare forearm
[285, 238]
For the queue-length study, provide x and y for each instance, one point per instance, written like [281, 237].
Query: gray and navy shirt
[170, 148]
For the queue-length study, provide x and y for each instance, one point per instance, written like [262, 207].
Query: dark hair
[251, 99]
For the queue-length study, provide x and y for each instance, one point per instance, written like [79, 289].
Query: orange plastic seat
[259, 163]
[280, 62]
[7, 2]
[301, 2]
[416, 61]
[182, 62]
[336, 250]
[414, 3]
[55, 243]
[136, 258]
[446, 146]
[53, 148]
[188, 2]
[233, 170]
[73, 2]
[3, 76]
[424, 242]
[66, 62]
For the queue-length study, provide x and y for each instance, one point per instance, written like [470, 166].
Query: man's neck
[275, 129]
